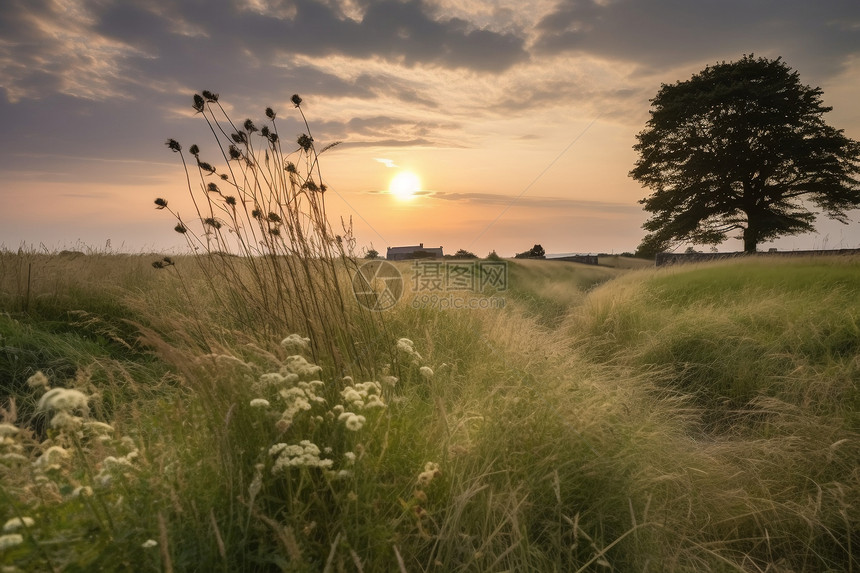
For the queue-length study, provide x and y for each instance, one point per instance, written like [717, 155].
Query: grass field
[695, 418]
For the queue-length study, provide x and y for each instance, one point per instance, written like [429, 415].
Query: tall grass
[690, 419]
[261, 236]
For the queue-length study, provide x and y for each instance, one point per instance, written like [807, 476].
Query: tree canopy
[742, 146]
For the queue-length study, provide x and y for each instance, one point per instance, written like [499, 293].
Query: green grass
[700, 418]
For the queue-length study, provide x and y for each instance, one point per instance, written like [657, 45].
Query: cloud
[537, 202]
[387, 162]
[668, 33]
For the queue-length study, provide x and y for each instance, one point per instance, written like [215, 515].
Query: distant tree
[740, 146]
[464, 254]
[371, 253]
[535, 252]
[493, 256]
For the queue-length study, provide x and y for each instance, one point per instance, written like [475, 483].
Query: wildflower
[206, 166]
[303, 454]
[234, 152]
[431, 470]
[270, 113]
[38, 379]
[406, 346]
[249, 126]
[180, 228]
[239, 137]
[212, 188]
[350, 458]
[8, 430]
[66, 422]
[149, 543]
[194, 150]
[297, 101]
[230, 200]
[10, 540]
[64, 399]
[17, 523]
[389, 381]
[259, 403]
[82, 491]
[298, 365]
[426, 372]
[290, 167]
[295, 342]
[210, 97]
[212, 222]
[98, 427]
[173, 145]
[160, 203]
[353, 422]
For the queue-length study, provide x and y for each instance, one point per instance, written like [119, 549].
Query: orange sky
[519, 118]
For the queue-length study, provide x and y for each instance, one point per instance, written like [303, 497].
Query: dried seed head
[210, 96]
[270, 113]
[257, 214]
[297, 101]
[206, 166]
[212, 188]
[194, 150]
[199, 104]
[250, 127]
[291, 167]
[239, 137]
[160, 203]
[305, 141]
[230, 200]
[234, 152]
[180, 228]
[274, 218]
[212, 222]
[173, 145]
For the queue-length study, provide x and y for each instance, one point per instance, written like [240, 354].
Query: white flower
[350, 458]
[406, 346]
[426, 372]
[353, 422]
[431, 470]
[38, 380]
[259, 403]
[50, 458]
[17, 523]
[296, 343]
[8, 430]
[66, 422]
[10, 540]
[82, 491]
[389, 381]
[299, 366]
[149, 543]
[64, 399]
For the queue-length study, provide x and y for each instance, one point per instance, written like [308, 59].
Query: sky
[518, 117]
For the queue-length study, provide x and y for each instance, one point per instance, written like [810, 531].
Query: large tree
[742, 146]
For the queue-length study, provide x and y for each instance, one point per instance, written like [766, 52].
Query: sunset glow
[405, 185]
[521, 118]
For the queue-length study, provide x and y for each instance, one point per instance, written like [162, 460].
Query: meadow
[695, 418]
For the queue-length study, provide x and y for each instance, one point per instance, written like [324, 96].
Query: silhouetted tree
[535, 252]
[739, 146]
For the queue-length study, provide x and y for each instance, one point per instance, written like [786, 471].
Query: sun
[405, 185]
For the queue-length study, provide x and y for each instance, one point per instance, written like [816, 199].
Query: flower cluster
[431, 470]
[296, 343]
[304, 454]
[407, 348]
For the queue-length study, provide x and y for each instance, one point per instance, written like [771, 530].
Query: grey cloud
[539, 202]
[820, 36]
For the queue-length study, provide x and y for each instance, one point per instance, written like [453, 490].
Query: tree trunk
[750, 240]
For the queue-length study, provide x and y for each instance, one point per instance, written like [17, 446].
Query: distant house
[413, 252]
